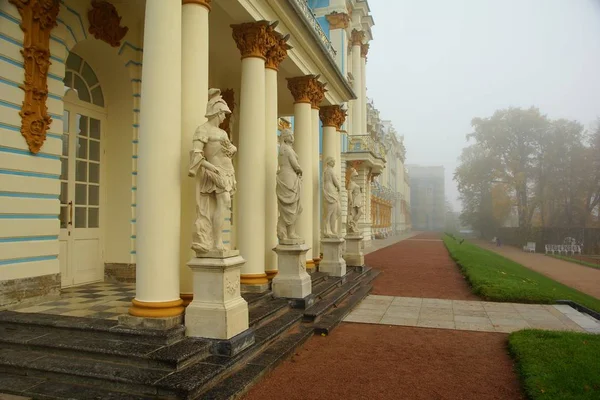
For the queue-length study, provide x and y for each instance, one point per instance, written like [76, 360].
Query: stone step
[261, 312]
[317, 277]
[330, 300]
[330, 320]
[241, 380]
[41, 388]
[255, 298]
[99, 328]
[78, 344]
[198, 378]
[321, 289]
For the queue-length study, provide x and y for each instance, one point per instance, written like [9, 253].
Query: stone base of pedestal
[217, 311]
[161, 324]
[332, 262]
[354, 256]
[292, 281]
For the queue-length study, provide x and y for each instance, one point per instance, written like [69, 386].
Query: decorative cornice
[317, 94]
[38, 17]
[364, 50]
[302, 88]
[338, 20]
[204, 3]
[357, 37]
[252, 39]
[105, 23]
[278, 51]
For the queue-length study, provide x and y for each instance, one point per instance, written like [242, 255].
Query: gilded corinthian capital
[357, 37]
[317, 94]
[277, 52]
[338, 20]
[332, 116]
[303, 87]
[253, 39]
[364, 50]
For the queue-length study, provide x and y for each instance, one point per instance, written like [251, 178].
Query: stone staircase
[57, 357]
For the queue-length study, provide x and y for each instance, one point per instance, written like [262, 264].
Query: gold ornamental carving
[357, 37]
[302, 87]
[253, 39]
[338, 20]
[105, 23]
[38, 17]
[204, 3]
[279, 48]
[317, 94]
[364, 50]
[340, 118]
[283, 124]
[328, 115]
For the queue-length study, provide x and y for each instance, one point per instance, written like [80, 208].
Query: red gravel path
[362, 361]
[418, 267]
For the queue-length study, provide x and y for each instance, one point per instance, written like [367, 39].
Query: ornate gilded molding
[341, 118]
[317, 94]
[204, 3]
[283, 124]
[105, 23]
[252, 39]
[278, 51]
[302, 87]
[338, 20]
[38, 17]
[364, 50]
[229, 97]
[357, 37]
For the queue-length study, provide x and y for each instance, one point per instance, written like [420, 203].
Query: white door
[81, 258]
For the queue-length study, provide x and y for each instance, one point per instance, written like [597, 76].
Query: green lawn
[557, 365]
[496, 278]
[574, 260]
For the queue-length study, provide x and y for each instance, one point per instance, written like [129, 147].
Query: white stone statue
[355, 203]
[211, 165]
[331, 197]
[289, 185]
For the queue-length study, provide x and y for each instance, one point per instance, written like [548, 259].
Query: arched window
[80, 77]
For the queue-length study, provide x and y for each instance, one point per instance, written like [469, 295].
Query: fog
[436, 64]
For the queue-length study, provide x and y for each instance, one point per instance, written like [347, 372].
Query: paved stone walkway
[584, 279]
[470, 315]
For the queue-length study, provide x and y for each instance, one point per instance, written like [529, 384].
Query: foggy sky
[433, 65]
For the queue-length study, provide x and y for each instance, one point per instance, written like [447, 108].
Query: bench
[530, 247]
[563, 248]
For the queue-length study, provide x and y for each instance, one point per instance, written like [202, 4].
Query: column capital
[332, 116]
[277, 52]
[338, 20]
[302, 87]
[317, 94]
[364, 50]
[357, 37]
[203, 3]
[252, 38]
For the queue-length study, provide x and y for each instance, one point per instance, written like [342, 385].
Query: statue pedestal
[217, 311]
[332, 262]
[292, 281]
[354, 256]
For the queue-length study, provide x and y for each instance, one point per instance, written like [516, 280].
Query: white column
[250, 196]
[357, 105]
[194, 95]
[271, 172]
[302, 144]
[338, 23]
[363, 82]
[159, 165]
[316, 215]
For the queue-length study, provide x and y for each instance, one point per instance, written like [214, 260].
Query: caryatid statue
[331, 197]
[355, 202]
[211, 165]
[289, 185]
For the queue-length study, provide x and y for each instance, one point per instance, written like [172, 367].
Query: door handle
[71, 213]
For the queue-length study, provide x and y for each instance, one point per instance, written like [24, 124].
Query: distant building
[427, 197]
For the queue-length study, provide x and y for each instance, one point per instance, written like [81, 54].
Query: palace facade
[99, 103]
